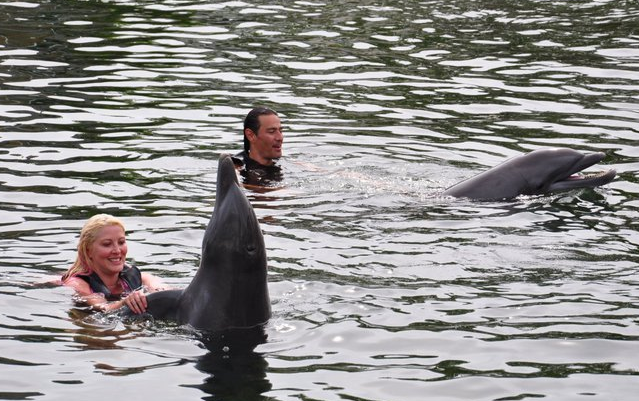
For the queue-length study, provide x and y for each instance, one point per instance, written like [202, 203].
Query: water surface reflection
[381, 289]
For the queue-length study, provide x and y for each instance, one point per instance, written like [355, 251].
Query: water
[381, 289]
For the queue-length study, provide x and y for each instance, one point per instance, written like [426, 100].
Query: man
[263, 140]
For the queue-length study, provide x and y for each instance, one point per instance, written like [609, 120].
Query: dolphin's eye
[250, 237]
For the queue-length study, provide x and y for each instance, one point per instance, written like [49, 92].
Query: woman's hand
[136, 301]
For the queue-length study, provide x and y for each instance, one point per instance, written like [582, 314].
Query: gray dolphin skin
[229, 290]
[539, 172]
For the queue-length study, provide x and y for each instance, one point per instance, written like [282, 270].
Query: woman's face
[108, 253]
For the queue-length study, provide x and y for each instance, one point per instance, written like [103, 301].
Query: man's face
[267, 144]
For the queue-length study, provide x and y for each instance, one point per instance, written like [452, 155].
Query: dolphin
[541, 171]
[229, 290]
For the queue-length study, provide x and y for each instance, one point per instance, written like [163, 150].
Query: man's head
[263, 135]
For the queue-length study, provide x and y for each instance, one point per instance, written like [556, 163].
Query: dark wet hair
[252, 122]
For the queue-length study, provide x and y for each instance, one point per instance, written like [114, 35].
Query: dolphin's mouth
[584, 181]
[574, 178]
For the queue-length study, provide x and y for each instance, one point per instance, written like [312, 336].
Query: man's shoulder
[244, 161]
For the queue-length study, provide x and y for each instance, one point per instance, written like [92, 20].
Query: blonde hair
[88, 236]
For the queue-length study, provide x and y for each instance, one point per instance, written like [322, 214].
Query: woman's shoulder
[78, 284]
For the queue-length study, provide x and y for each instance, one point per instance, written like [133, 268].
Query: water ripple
[124, 107]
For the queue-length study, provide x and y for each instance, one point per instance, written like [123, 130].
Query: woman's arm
[153, 283]
[136, 301]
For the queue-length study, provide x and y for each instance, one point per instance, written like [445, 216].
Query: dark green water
[381, 289]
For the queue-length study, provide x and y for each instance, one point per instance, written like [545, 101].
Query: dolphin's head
[554, 170]
[536, 173]
[234, 230]
[229, 289]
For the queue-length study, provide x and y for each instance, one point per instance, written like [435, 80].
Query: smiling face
[108, 252]
[266, 143]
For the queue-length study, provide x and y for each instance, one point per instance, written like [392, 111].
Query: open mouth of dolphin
[575, 178]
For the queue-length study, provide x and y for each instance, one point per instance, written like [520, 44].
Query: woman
[100, 276]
